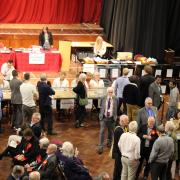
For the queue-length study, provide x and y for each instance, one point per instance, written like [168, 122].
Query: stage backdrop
[50, 11]
[142, 26]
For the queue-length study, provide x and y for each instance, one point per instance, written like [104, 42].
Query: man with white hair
[107, 117]
[129, 145]
[116, 154]
[48, 168]
[147, 111]
[35, 175]
[148, 134]
[45, 91]
[120, 83]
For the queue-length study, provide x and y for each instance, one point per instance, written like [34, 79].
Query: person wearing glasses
[107, 117]
[147, 111]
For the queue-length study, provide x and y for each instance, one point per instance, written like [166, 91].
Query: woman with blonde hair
[99, 47]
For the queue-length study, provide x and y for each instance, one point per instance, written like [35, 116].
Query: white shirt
[129, 145]
[28, 91]
[6, 71]
[57, 83]
[5, 85]
[96, 84]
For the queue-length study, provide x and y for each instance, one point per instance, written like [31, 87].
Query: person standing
[148, 134]
[16, 100]
[107, 117]
[162, 152]
[173, 99]
[131, 97]
[46, 38]
[120, 83]
[155, 92]
[129, 145]
[29, 95]
[116, 154]
[45, 91]
[6, 70]
[147, 111]
[81, 92]
[145, 81]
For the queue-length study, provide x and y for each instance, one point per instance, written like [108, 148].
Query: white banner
[36, 58]
[67, 103]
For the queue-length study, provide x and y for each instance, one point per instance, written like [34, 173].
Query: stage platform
[25, 35]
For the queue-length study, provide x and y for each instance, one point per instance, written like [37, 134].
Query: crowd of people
[129, 111]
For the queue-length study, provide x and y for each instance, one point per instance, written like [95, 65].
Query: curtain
[50, 11]
[140, 26]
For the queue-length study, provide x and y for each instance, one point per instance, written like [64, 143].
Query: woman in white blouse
[99, 47]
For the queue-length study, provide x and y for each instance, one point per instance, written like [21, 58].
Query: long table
[53, 61]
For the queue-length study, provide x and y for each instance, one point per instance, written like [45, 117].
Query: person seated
[46, 38]
[17, 173]
[6, 70]
[73, 166]
[49, 167]
[99, 47]
[3, 83]
[24, 152]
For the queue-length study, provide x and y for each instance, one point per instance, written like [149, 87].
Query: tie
[108, 107]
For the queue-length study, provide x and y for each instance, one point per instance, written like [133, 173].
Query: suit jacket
[103, 107]
[142, 116]
[145, 81]
[48, 170]
[117, 134]
[155, 93]
[45, 91]
[143, 131]
[42, 38]
[16, 97]
[36, 128]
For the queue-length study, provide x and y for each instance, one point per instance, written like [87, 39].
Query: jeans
[171, 112]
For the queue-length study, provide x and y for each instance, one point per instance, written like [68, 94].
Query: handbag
[83, 101]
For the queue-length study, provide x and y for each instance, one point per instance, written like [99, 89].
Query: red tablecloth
[4, 57]
[52, 62]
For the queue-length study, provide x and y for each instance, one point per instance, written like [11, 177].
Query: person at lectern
[46, 38]
[99, 47]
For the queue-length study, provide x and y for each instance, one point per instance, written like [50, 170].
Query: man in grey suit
[107, 117]
[155, 92]
[147, 111]
[16, 100]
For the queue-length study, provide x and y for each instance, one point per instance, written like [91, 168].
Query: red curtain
[50, 11]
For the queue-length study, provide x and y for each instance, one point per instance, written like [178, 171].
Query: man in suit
[155, 92]
[107, 117]
[45, 91]
[116, 154]
[144, 83]
[16, 100]
[147, 111]
[148, 134]
[48, 168]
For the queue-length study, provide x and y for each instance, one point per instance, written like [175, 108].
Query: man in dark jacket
[145, 81]
[45, 91]
[148, 135]
[16, 100]
[116, 154]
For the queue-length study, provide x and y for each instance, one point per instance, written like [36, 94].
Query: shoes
[52, 133]
[100, 151]
[109, 145]
[81, 125]
[77, 125]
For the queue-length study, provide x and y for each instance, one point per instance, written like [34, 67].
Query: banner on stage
[36, 58]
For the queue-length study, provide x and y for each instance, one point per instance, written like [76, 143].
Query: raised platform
[24, 35]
